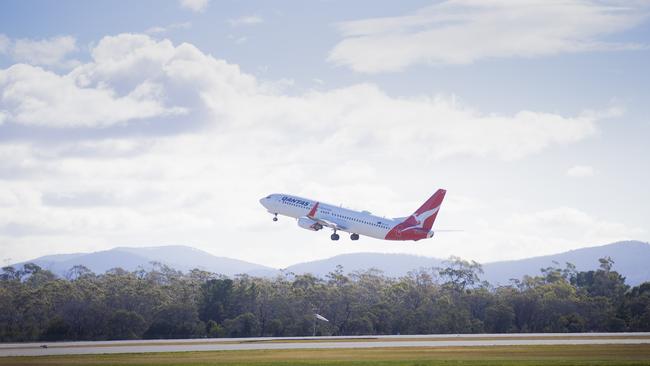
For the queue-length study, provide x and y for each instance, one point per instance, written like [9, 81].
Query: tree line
[35, 304]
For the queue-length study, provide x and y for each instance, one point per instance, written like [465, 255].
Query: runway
[270, 343]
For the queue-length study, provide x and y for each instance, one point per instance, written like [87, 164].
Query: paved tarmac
[232, 344]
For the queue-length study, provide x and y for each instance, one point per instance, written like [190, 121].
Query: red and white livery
[313, 215]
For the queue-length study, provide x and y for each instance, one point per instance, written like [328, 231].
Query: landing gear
[354, 237]
[275, 217]
[335, 236]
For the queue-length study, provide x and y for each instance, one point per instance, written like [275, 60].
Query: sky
[164, 122]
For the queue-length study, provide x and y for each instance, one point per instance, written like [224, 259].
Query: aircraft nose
[264, 200]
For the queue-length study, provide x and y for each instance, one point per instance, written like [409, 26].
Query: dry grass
[475, 356]
[441, 339]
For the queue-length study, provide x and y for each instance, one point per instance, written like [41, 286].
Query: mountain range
[179, 257]
[631, 259]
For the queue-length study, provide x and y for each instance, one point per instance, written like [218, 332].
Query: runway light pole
[319, 317]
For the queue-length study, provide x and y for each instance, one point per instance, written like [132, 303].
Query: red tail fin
[418, 226]
[427, 213]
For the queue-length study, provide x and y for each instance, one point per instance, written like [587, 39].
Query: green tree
[460, 274]
[124, 324]
[244, 325]
[215, 300]
[176, 321]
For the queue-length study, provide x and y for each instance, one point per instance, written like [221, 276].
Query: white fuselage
[359, 222]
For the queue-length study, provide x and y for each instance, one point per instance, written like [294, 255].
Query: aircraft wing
[327, 223]
[330, 224]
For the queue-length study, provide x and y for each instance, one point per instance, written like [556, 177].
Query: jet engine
[309, 224]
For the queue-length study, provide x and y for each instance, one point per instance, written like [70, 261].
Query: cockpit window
[268, 196]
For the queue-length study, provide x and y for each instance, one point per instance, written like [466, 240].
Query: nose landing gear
[275, 217]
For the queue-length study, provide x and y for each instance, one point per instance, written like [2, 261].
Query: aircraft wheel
[354, 237]
[335, 236]
[275, 218]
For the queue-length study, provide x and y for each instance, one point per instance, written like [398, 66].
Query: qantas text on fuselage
[313, 215]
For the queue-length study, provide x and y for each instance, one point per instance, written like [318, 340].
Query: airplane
[313, 215]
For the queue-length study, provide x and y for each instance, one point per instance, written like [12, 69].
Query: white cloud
[45, 52]
[580, 171]
[246, 20]
[238, 40]
[465, 31]
[502, 236]
[135, 77]
[567, 228]
[194, 5]
[168, 28]
[156, 30]
[346, 145]
[33, 96]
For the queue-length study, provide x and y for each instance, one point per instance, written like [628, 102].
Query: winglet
[312, 213]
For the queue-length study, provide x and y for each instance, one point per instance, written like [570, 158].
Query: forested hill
[630, 257]
[179, 257]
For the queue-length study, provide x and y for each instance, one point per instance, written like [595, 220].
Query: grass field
[506, 355]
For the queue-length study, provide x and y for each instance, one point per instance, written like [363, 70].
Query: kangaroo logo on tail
[421, 218]
[418, 225]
